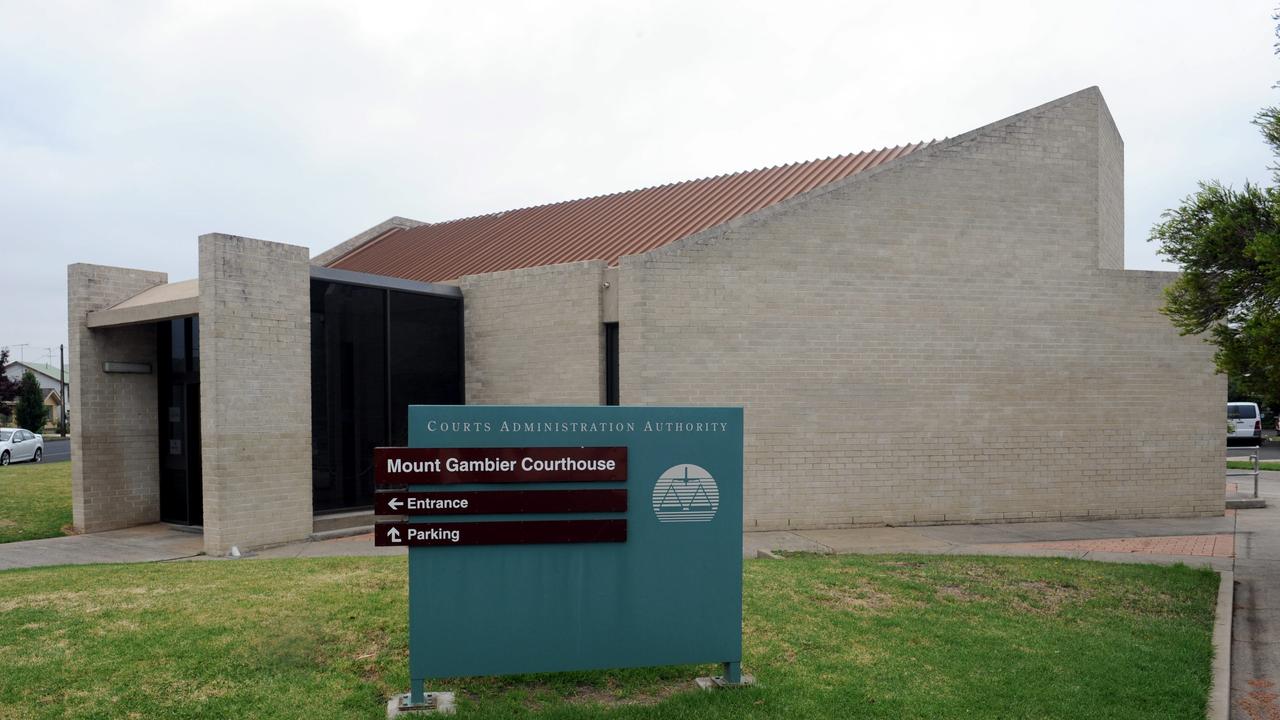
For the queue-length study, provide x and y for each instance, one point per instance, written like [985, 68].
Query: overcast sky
[128, 129]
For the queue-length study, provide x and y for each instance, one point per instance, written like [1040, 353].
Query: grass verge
[842, 637]
[35, 501]
[1246, 465]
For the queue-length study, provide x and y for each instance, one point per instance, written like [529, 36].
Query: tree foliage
[1227, 242]
[32, 413]
[8, 388]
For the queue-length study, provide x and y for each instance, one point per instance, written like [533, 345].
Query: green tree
[8, 389]
[31, 412]
[1227, 243]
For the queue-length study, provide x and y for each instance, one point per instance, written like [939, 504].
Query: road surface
[56, 450]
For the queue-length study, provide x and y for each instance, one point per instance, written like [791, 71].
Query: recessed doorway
[178, 360]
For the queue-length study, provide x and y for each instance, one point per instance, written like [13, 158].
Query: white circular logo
[685, 493]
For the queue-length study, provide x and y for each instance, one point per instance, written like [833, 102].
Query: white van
[1244, 423]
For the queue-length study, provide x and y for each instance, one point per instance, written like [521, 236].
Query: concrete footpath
[146, 543]
[1196, 541]
[1255, 636]
[1207, 542]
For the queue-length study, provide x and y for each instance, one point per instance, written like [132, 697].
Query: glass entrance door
[374, 352]
[178, 375]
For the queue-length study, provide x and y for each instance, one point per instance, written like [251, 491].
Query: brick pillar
[534, 335]
[115, 476]
[255, 392]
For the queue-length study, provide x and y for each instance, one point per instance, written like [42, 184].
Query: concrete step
[1245, 502]
[344, 532]
[341, 521]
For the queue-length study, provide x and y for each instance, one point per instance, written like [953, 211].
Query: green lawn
[1247, 465]
[843, 637]
[35, 502]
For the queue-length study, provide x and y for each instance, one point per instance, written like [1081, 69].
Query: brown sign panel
[452, 466]
[519, 532]
[498, 502]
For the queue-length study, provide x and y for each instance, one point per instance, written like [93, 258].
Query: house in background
[50, 385]
[53, 405]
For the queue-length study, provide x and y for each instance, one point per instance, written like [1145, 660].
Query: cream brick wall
[1110, 191]
[115, 475]
[935, 341]
[534, 336]
[255, 392]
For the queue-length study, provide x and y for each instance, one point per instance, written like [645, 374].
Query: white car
[19, 444]
[1244, 422]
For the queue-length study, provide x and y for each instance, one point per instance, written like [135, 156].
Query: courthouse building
[939, 332]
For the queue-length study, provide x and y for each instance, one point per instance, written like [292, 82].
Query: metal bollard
[1254, 458]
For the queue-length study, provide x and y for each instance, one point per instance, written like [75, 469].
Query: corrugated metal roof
[605, 227]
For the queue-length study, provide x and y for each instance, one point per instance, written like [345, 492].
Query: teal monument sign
[552, 538]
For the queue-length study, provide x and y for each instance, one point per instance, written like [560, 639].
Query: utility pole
[62, 380]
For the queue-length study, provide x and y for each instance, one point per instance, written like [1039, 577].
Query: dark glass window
[178, 386]
[611, 393]
[374, 352]
[426, 356]
[348, 391]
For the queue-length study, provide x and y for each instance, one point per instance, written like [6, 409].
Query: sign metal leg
[732, 678]
[420, 702]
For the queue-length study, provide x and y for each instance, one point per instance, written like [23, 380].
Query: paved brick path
[1222, 545]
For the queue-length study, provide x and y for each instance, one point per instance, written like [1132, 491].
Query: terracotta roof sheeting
[605, 227]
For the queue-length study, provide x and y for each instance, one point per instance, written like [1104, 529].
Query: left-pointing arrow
[394, 503]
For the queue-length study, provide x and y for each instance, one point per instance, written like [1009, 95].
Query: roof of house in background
[605, 227]
[47, 370]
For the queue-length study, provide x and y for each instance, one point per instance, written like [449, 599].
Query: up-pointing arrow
[394, 503]
[393, 534]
